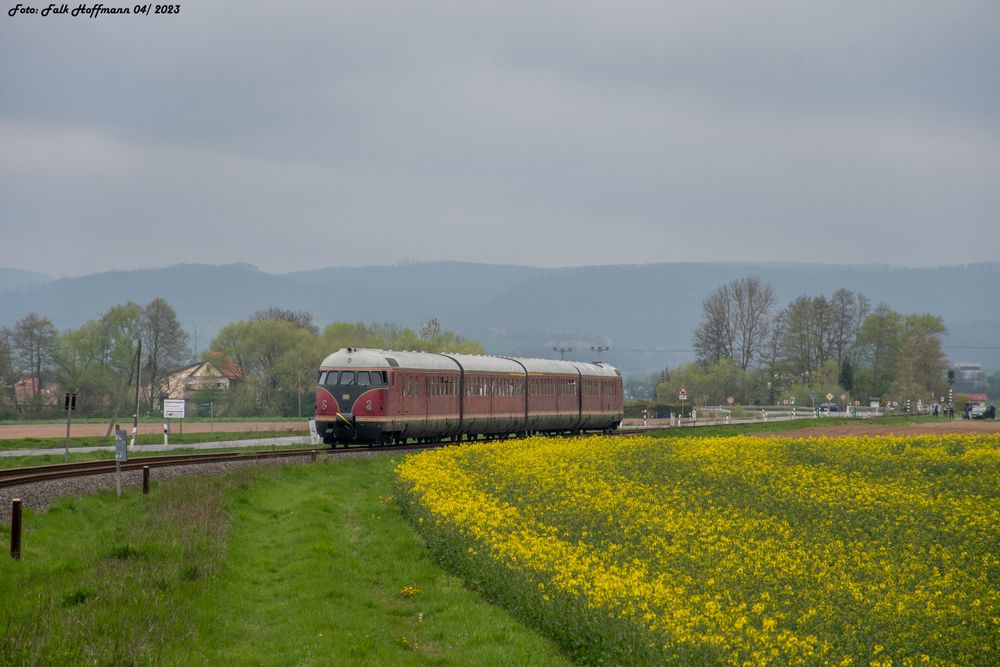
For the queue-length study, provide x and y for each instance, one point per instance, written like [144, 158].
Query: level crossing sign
[682, 395]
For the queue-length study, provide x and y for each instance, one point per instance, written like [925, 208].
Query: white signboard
[173, 408]
[682, 395]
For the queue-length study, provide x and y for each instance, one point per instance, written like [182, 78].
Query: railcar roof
[372, 358]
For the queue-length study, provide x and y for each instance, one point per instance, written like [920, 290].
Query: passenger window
[363, 379]
[347, 378]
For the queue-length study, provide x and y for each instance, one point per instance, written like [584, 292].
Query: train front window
[363, 379]
[347, 378]
[378, 378]
[329, 377]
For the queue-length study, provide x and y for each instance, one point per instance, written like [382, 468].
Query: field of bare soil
[16, 431]
[862, 428]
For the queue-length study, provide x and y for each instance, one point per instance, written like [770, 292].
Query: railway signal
[69, 405]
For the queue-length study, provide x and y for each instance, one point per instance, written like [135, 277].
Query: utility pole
[598, 349]
[562, 351]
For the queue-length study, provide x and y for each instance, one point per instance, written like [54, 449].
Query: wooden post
[145, 480]
[15, 529]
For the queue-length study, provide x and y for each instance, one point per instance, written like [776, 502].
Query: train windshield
[360, 378]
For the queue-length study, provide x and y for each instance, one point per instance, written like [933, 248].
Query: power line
[681, 349]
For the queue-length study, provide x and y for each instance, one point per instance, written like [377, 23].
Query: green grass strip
[300, 564]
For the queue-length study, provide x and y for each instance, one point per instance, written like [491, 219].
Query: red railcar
[375, 396]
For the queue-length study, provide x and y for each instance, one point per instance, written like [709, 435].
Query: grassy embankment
[302, 564]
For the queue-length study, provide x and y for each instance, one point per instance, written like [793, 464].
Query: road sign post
[121, 454]
[173, 408]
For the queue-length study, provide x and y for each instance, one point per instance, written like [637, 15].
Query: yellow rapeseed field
[739, 550]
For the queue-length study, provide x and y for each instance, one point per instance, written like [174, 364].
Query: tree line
[816, 345]
[271, 359]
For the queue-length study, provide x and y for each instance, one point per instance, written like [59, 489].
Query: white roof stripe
[373, 358]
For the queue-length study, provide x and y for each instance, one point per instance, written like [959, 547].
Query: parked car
[827, 408]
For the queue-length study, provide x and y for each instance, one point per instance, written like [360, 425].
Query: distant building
[969, 376]
[974, 399]
[184, 383]
[24, 393]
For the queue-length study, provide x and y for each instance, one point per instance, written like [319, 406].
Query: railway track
[33, 474]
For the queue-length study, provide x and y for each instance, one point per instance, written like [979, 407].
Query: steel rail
[33, 474]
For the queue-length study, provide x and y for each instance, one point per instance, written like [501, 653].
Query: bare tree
[754, 300]
[799, 348]
[164, 345]
[735, 322]
[849, 311]
[713, 339]
[33, 343]
[6, 367]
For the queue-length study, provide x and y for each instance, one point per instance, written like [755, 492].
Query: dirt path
[12, 431]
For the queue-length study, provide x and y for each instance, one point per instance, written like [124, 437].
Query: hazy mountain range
[645, 313]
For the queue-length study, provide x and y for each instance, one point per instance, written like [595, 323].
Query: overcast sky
[311, 134]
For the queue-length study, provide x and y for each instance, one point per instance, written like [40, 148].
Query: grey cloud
[550, 133]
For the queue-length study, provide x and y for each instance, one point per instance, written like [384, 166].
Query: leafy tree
[432, 338]
[921, 365]
[97, 360]
[120, 332]
[300, 318]
[278, 360]
[846, 378]
[880, 339]
[712, 383]
[77, 363]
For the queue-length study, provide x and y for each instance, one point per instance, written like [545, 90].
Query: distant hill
[646, 313]
[15, 279]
